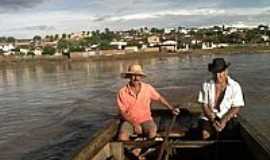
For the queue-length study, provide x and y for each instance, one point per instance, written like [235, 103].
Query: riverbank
[194, 52]
[139, 55]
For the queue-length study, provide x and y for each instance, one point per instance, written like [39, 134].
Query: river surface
[47, 111]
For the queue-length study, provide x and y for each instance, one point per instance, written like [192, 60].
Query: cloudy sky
[26, 18]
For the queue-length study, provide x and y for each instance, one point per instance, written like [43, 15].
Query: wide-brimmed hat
[134, 69]
[218, 65]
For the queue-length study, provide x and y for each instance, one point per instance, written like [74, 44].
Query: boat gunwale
[104, 135]
[253, 138]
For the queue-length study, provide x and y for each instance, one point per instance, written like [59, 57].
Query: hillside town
[142, 40]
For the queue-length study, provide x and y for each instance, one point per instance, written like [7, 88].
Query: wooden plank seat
[173, 134]
[200, 143]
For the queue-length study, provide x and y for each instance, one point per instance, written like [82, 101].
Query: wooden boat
[183, 142]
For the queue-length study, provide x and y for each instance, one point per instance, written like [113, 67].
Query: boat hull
[185, 144]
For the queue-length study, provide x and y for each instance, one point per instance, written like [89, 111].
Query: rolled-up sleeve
[203, 94]
[122, 106]
[237, 97]
[154, 95]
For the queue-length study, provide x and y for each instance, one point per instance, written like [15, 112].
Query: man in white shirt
[221, 99]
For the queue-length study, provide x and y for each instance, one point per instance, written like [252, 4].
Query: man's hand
[175, 111]
[219, 125]
[212, 117]
[222, 124]
[215, 124]
[137, 128]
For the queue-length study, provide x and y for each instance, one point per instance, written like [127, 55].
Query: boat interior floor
[184, 142]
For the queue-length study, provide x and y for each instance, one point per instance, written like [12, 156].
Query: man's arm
[211, 116]
[126, 117]
[208, 112]
[174, 110]
[123, 109]
[163, 101]
[237, 104]
[231, 113]
[228, 116]
[203, 99]
[136, 126]
[154, 95]
[122, 106]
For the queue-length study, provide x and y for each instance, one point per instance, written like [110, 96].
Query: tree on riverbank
[71, 45]
[48, 50]
[103, 39]
[7, 40]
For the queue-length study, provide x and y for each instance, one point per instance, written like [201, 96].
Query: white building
[232, 30]
[120, 45]
[9, 53]
[263, 28]
[144, 46]
[38, 52]
[80, 35]
[222, 45]
[195, 41]
[208, 45]
[184, 31]
[265, 37]
[131, 49]
[7, 47]
[169, 45]
[211, 45]
[24, 51]
[169, 42]
[94, 46]
[168, 30]
[153, 40]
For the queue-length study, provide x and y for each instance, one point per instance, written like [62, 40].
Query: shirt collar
[230, 81]
[129, 91]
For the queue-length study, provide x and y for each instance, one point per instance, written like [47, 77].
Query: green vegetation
[194, 38]
[37, 38]
[101, 39]
[71, 45]
[31, 53]
[7, 40]
[48, 51]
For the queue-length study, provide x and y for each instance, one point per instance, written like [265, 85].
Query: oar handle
[164, 144]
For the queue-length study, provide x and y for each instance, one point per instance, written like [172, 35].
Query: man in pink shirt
[134, 101]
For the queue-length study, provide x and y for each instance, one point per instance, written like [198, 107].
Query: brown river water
[48, 111]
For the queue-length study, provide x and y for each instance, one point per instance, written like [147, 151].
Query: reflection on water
[48, 110]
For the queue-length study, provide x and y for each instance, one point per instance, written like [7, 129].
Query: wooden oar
[164, 144]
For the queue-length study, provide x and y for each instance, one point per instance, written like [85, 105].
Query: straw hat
[134, 69]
